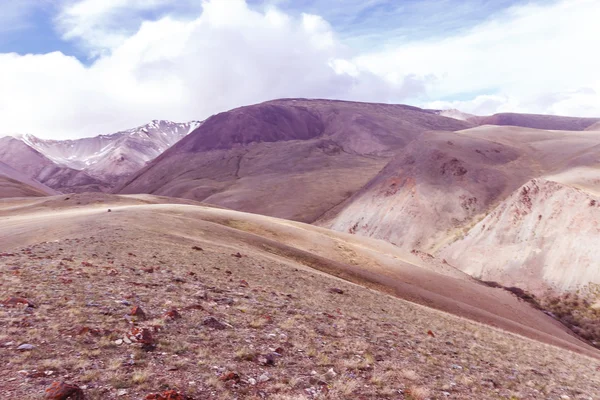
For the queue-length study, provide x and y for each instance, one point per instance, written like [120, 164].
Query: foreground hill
[536, 121]
[15, 184]
[291, 158]
[226, 312]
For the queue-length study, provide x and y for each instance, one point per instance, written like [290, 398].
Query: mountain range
[91, 164]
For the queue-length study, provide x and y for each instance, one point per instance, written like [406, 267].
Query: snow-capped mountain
[110, 157]
[94, 163]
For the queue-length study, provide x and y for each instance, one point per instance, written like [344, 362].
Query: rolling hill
[536, 121]
[270, 158]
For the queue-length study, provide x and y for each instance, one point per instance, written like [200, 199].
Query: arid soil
[152, 297]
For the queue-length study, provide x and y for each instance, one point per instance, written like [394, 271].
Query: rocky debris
[330, 374]
[122, 392]
[138, 313]
[237, 255]
[167, 395]
[16, 301]
[82, 330]
[243, 283]
[109, 210]
[143, 336]
[430, 333]
[230, 376]
[266, 360]
[64, 391]
[214, 323]
[264, 378]
[336, 290]
[113, 272]
[148, 270]
[172, 314]
[197, 248]
[26, 347]
[194, 307]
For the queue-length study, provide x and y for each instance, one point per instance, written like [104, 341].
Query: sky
[77, 68]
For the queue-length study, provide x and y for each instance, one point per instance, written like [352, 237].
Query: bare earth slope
[595, 127]
[267, 285]
[444, 183]
[431, 192]
[537, 121]
[543, 236]
[36, 165]
[15, 184]
[270, 158]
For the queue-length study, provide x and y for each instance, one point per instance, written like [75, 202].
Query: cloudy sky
[73, 68]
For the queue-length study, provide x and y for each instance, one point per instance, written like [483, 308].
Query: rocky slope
[545, 235]
[290, 158]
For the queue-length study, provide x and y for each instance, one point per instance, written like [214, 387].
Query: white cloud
[178, 69]
[226, 54]
[518, 61]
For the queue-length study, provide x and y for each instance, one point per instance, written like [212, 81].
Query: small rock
[197, 248]
[119, 342]
[252, 381]
[268, 360]
[109, 210]
[330, 374]
[64, 391]
[138, 313]
[264, 377]
[214, 323]
[230, 376]
[237, 255]
[336, 290]
[122, 392]
[172, 314]
[15, 301]
[167, 395]
[26, 346]
[143, 336]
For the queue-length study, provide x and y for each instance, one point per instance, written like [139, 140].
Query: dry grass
[360, 344]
